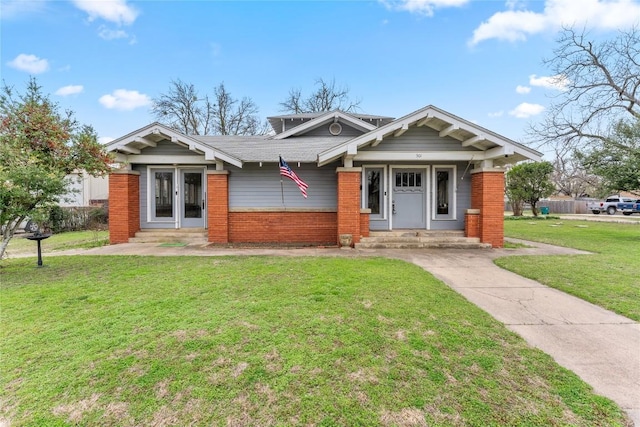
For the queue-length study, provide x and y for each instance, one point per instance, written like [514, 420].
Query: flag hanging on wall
[285, 170]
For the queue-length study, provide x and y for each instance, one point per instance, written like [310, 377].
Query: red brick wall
[313, 228]
[349, 202]
[364, 223]
[218, 206]
[487, 194]
[124, 206]
[472, 224]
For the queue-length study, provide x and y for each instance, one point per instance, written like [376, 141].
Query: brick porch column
[349, 202]
[487, 195]
[218, 206]
[124, 205]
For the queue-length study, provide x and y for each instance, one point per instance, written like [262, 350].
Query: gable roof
[329, 116]
[276, 121]
[150, 135]
[490, 145]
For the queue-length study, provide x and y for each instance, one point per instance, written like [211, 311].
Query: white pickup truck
[609, 205]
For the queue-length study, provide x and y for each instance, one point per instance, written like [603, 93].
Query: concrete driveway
[600, 346]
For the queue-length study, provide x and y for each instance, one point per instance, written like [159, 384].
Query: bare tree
[602, 87]
[235, 117]
[569, 176]
[183, 109]
[327, 97]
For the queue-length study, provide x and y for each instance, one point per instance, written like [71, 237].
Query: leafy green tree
[617, 159]
[39, 147]
[528, 183]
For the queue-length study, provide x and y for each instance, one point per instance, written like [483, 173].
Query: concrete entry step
[171, 235]
[420, 239]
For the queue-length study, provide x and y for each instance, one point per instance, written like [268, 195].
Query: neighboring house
[85, 190]
[428, 170]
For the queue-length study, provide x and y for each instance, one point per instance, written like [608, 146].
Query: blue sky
[480, 60]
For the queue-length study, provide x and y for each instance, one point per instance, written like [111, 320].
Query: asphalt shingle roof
[262, 149]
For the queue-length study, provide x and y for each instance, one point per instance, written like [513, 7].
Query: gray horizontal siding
[324, 131]
[168, 148]
[259, 187]
[419, 139]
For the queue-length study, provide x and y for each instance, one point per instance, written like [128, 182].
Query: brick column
[218, 206]
[365, 222]
[349, 202]
[124, 205]
[487, 195]
[472, 223]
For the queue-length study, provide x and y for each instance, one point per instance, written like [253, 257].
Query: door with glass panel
[408, 204]
[374, 192]
[192, 198]
[164, 195]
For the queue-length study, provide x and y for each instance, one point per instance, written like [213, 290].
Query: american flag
[285, 170]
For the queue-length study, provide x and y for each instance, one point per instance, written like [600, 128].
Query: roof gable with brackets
[149, 136]
[482, 144]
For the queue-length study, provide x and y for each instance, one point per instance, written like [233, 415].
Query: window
[443, 193]
[374, 184]
[408, 179]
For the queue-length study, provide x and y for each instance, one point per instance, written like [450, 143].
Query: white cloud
[526, 110]
[557, 82]
[70, 90]
[109, 34]
[116, 11]
[125, 100]
[422, 7]
[496, 114]
[523, 90]
[516, 25]
[29, 63]
[15, 8]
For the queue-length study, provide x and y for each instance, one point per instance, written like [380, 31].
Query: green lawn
[260, 341]
[609, 278]
[57, 242]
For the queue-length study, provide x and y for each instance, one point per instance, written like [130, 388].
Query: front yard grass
[608, 278]
[261, 341]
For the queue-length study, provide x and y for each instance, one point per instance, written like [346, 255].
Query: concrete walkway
[601, 347]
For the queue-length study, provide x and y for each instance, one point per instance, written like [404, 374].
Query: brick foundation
[124, 205]
[487, 195]
[309, 228]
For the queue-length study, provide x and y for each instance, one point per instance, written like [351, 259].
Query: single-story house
[428, 170]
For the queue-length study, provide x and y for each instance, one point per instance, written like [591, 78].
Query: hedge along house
[428, 170]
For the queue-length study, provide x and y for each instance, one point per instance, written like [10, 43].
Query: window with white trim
[444, 193]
